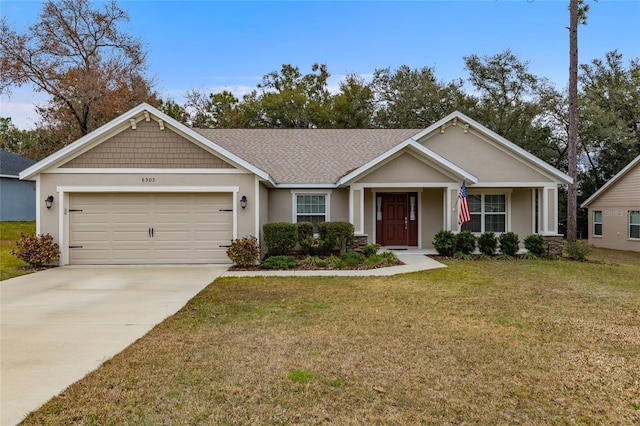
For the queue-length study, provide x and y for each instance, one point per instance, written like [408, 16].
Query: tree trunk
[572, 195]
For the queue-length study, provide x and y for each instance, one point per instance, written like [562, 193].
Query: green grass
[518, 342]
[11, 266]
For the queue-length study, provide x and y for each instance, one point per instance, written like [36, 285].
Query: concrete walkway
[414, 261]
[59, 324]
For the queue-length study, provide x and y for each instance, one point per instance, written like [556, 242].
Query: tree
[289, 99]
[609, 126]
[414, 98]
[174, 110]
[353, 106]
[515, 103]
[215, 110]
[77, 54]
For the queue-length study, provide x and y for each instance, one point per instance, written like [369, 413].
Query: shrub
[305, 231]
[351, 258]
[445, 243]
[336, 235]
[370, 249]
[528, 256]
[336, 262]
[389, 257]
[244, 251]
[504, 257]
[36, 250]
[465, 242]
[312, 246]
[535, 244]
[280, 237]
[488, 243]
[279, 262]
[578, 250]
[509, 243]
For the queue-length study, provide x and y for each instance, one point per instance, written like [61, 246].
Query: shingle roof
[307, 155]
[12, 164]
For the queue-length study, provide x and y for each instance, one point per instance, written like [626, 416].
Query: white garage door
[149, 228]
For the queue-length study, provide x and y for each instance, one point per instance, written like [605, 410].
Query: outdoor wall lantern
[243, 202]
[48, 201]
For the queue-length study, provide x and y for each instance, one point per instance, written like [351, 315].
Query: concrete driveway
[59, 324]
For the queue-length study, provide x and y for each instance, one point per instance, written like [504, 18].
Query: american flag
[463, 205]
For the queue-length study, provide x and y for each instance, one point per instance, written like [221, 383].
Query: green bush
[488, 243]
[351, 258]
[244, 251]
[445, 243]
[370, 249]
[465, 242]
[534, 243]
[336, 235]
[463, 256]
[279, 262]
[36, 250]
[312, 246]
[305, 231]
[509, 243]
[528, 256]
[578, 250]
[336, 262]
[280, 238]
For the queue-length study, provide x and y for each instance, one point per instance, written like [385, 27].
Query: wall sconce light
[243, 202]
[48, 201]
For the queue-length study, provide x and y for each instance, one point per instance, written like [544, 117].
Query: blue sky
[216, 45]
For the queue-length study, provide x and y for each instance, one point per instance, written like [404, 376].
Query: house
[146, 189]
[17, 198]
[614, 211]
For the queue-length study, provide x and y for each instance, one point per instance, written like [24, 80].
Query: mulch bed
[303, 267]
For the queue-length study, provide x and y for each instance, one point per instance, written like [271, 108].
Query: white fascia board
[563, 177]
[611, 181]
[306, 186]
[114, 124]
[415, 146]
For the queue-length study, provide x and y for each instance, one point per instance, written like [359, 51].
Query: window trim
[629, 224]
[594, 223]
[294, 202]
[483, 213]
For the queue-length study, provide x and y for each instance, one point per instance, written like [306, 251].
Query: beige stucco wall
[402, 169]
[281, 204]
[522, 213]
[431, 214]
[479, 157]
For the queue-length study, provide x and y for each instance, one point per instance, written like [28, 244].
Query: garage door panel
[115, 228]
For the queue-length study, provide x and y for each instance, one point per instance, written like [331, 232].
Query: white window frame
[629, 213]
[598, 223]
[294, 203]
[482, 213]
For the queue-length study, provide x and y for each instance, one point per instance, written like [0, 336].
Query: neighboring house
[17, 198]
[144, 188]
[614, 211]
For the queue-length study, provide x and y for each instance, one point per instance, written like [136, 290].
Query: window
[634, 224]
[311, 208]
[597, 223]
[488, 213]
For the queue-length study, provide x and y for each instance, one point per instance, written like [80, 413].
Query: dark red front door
[395, 219]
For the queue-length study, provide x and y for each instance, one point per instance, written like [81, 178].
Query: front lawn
[11, 266]
[513, 342]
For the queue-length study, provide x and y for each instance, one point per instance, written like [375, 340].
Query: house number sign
[148, 179]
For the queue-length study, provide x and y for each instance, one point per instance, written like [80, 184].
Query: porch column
[356, 209]
[549, 208]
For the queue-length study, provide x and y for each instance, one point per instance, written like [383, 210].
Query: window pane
[634, 231]
[597, 216]
[314, 219]
[597, 229]
[494, 222]
[634, 217]
[474, 225]
[494, 203]
[475, 205]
